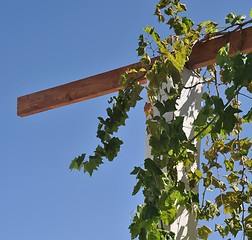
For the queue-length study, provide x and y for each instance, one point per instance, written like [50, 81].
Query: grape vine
[222, 123]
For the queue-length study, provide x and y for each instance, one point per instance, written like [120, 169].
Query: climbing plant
[224, 175]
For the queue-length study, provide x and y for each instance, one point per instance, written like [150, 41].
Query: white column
[189, 105]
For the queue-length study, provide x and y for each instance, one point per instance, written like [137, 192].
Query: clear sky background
[48, 43]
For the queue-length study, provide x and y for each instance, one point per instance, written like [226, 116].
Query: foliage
[228, 164]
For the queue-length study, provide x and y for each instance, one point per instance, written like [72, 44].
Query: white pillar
[189, 105]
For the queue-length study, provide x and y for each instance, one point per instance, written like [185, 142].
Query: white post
[189, 105]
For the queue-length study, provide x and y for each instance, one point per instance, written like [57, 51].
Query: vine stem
[196, 84]
[243, 207]
[224, 31]
[242, 94]
[216, 83]
[203, 197]
[243, 183]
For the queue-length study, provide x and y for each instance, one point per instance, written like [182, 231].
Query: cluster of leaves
[227, 165]
[117, 115]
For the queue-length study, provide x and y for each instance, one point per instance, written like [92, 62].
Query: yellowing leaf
[204, 232]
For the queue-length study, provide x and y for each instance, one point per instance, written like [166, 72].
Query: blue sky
[48, 43]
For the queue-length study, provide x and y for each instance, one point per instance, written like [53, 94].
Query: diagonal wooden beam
[203, 54]
[80, 90]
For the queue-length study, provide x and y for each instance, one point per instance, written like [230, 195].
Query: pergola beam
[80, 90]
[203, 54]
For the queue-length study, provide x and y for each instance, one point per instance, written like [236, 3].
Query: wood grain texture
[203, 54]
[72, 92]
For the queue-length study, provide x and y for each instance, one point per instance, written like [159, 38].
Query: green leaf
[221, 230]
[146, 60]
[154, 235]
[168, 105]
[202, 117]
[232, 178]
[250, 13]
[141, 45]
[169, 11]
[135, 171]
[229, 164]
[188, 22]
[137, 187]
[230, 120]
[230, 92]
[155, 144]
[234, 19]
[150, 211]
[181, 7]
[204, 232]
[149, 30]
[239, 76]
[210, 27]
[180, 28]
[248, 71]
[222, 56]
[77, 163]
[194, 177]
[151, 166]
[112, 148]
[248, 117]
[218, 104]
[135, 95]
[93, 164]
[143, 234]
[168, 216]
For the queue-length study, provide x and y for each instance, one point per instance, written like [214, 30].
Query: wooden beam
[203, 54]
[80, 90]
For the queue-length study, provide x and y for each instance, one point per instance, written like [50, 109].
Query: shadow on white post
[185, 226]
